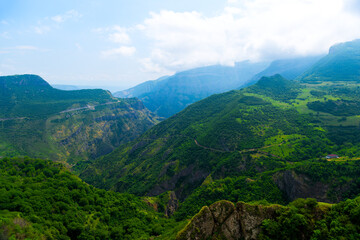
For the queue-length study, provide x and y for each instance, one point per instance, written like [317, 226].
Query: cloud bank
[249, 29]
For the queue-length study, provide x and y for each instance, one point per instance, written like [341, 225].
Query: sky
[120, 43]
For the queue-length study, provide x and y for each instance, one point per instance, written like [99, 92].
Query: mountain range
[277, 159]
[171, 94]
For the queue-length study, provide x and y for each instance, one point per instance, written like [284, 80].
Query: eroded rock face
[172, 205]
[200, 227]
[224, 220]
[300, 186]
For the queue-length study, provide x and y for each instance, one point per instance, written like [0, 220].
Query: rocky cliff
[224, 220]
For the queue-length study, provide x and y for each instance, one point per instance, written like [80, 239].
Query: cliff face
[91, 133]
[297, 185]
[300, 186]
[224, 220]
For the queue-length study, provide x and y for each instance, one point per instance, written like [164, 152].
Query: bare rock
[200, 227]
[222, 220]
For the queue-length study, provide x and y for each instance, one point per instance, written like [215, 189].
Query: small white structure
[330, 156]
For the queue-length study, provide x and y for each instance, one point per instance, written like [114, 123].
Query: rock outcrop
[301, 186]
[172, 204]
[224, 220]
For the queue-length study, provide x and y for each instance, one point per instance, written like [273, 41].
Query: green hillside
[239, 134]
[43, 200]
[40, 121]
[341, 64]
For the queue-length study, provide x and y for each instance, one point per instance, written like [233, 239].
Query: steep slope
[288, 68]
[169, 95]
[238, 135]
[43, 200]
[40, 121]
[214, 136]
[341, 64]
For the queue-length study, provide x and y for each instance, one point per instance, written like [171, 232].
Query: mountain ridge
[41, 121]
[168, 95]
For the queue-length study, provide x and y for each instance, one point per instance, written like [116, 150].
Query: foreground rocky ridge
[302, 219]
[224, 220]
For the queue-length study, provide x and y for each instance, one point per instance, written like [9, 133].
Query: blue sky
[122, 43]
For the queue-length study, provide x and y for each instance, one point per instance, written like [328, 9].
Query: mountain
[140, 89]
[169, 95]
[246, 145]
[40, 121]
[341, 64]
[288, 68]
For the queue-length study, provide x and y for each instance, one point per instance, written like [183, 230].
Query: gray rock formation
[224, 220]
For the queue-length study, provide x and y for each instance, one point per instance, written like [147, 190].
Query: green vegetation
[341, 179]
[308, 219]
[38, 196]
[232, 189]
[300, 219]
[40, 121]
[238, 134]
[341, 64]
[226, 127]
[265, 144]
[337, 108]
[12, 226]
[276, 87]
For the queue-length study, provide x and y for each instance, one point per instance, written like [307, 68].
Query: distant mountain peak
[355, 44]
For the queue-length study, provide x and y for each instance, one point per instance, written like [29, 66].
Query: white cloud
[41, 29]
[119, 36]
[71, 14]
[5, 35]
[247, 29]
[115, 34]
[3, 22]
[123, 51]
[151, 67]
